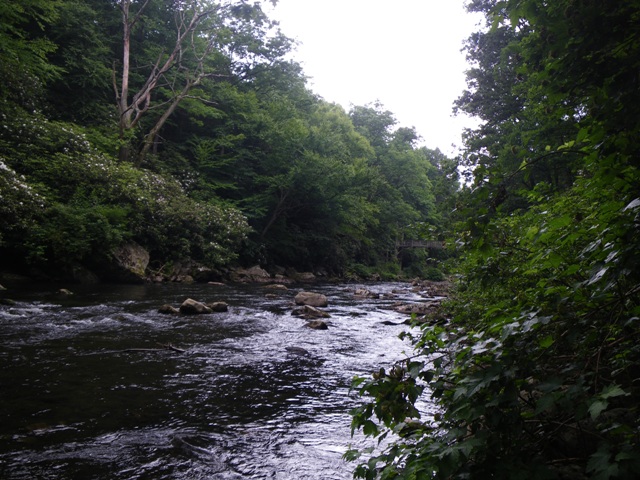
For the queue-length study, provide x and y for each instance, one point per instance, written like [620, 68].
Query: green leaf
[597, 407]
[547, 342]
[613, 391]
[560, 222]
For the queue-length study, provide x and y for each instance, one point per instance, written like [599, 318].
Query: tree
[209, 39]
[24, 50]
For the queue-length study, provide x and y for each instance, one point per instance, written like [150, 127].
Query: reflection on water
[254, 395]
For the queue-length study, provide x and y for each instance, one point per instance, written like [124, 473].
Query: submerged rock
[168, 309]
[298, 351]
[417, 308]
[307, 311]
[364, 293]
[317, 325]
[276, 286]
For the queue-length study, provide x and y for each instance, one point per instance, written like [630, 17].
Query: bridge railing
[435, 244]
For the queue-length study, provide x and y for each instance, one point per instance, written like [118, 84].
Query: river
[78, 400]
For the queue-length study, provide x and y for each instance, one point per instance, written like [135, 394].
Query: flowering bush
[86, 202]
[20, 205]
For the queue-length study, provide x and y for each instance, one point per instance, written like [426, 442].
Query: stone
[317, 325]
[311, 298]
[305, 277]
[364, 293]
[84, 276]
[168, 310]
[308, 311]
[255, 274]
[417, 308]
[218, 306]
[298, 351]
[129, 264]
[192, 307]
[276, 286]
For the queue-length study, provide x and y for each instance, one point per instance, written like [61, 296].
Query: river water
[78, 400]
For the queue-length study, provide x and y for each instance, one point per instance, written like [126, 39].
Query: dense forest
[536, 374]
[183, 127]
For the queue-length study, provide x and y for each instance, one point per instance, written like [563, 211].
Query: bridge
[435, 244]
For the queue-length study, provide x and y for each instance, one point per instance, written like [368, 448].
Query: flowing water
[254, 395]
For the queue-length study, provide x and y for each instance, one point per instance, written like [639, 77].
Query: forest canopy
[182, 127]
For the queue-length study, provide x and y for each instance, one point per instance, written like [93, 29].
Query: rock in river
[168, 309]
[192, 307]
[218, 306]
[317, 325]
[307, 311]
[311, 298]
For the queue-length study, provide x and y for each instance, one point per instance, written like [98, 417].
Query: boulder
[305, 277]
[255, 274]
[218, 306]
[280, 279]
[276, 286]
[2, 288]
[183, 279]
[84, 276]
[308, 311]
[168, 310]
[129, 264]
[417, 308]
[192, 307]
[364, 293]
[317, 325]
[311, 298]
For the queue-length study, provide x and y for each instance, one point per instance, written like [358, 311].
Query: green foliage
[223, 123]
[535, 375]
[20, 205]
[24, 49]
[87, 203]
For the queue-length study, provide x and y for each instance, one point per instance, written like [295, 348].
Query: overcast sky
[404, 53]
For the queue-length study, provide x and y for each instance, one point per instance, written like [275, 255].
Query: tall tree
[207, 39]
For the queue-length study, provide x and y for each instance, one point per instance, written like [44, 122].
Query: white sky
[404, 53]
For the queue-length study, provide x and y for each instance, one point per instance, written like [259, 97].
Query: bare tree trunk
[280, 208]
[150, 138]
[132, 110]
[122, 94]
